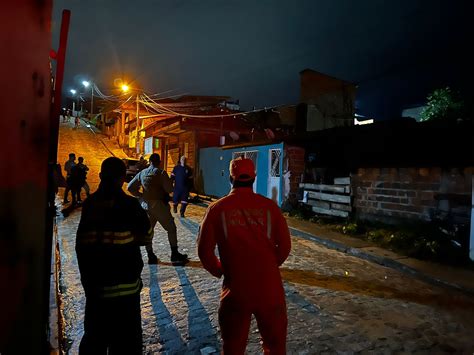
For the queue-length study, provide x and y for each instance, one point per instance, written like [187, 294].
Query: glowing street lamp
[86, 84]
[73, 92]
[125, 88]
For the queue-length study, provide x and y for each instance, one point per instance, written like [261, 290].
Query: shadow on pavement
[201, 331]
[190, 225]
[169, 334]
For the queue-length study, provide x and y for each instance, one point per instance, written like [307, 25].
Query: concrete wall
[394, 194]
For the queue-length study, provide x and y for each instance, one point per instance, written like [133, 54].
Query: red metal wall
[25, 99]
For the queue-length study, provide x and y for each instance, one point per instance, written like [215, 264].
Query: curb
[379, 260]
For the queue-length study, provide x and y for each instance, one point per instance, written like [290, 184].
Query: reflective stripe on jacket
[122, 289]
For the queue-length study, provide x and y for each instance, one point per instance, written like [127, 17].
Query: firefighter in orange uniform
[112, 227]
[253, 241]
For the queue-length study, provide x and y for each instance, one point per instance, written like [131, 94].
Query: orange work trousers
[234, 322]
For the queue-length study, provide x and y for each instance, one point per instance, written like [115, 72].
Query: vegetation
[443, 104]
[427, 241]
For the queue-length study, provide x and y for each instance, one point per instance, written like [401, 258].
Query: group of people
[76, 179]
[66, 115]
[248, 229]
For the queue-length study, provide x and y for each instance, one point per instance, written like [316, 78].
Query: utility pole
[92, 99]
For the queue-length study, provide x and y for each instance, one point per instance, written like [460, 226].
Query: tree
[443, 104]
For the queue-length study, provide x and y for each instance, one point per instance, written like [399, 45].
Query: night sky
[253, 50]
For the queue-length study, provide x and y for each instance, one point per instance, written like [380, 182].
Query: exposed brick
[361, 203]
[390, 206]
[361, 190]
[388, 199]
[429, 203]
[424, 172]
[385, 192]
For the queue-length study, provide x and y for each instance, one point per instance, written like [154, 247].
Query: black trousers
[112, 324]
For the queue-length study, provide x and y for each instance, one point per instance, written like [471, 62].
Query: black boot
[177, 258]
[175, 208]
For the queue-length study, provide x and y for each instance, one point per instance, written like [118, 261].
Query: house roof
[316, 73]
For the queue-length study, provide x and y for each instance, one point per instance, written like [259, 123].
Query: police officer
[112, 227]
[154, 196]
[182, 175]
[253, 241]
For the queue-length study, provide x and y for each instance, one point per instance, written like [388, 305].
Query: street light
[73, 92]
[125, 88]
[86, 84]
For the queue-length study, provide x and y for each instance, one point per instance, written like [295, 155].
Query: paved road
[336, 303]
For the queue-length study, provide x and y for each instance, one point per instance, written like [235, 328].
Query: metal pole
[92, 99]
[137, 142]
[53, 153]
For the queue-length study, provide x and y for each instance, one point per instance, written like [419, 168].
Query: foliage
[443, 104]
[426, 241]
[302, 212]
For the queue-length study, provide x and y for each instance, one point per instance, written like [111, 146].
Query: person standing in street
[253, 241]
[112, 227]
[78, 180]
[68, 165]
[76, 122]
[152, 186]
[142, 164]
[182, 175]
[83, 174]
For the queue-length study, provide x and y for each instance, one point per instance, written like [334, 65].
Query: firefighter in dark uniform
[182, 175]
[112, 227]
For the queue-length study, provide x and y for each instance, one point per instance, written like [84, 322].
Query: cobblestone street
[336, 303]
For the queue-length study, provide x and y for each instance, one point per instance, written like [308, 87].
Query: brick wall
[394, 194]
[295, 161]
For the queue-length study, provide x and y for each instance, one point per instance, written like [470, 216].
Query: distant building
[325, 102]
[413, 112]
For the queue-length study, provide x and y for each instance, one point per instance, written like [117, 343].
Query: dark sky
[253, 50]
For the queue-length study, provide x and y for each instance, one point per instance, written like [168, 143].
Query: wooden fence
[333, 200]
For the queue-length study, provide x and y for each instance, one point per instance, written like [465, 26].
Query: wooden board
[343, 189]
[320, 187]
[172, 159]
[320, 204]
[341, 207]
[342, 181]
[329, 197]
[337, 213]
